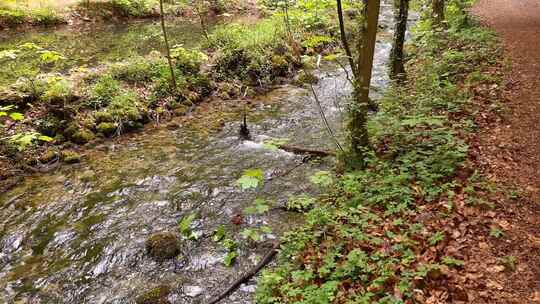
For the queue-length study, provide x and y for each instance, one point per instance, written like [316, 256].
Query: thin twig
[321, 111]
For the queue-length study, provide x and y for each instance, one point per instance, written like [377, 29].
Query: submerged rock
[193, 291]
[163, 245]
[157, 295]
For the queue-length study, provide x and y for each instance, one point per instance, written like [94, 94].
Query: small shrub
[138, 69]
[134, 8]
[105, 89]
[45, 16]
[126, 107]
[188, 61]
[12, 17]
[58, 90]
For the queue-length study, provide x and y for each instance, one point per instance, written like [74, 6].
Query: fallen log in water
[313, 152]
[248, 275]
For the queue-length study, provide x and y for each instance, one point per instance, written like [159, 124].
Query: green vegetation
[13, 14]
[364, 242]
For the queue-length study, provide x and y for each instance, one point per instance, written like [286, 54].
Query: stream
[77, 235]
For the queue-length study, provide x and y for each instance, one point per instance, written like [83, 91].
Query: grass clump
[12, 14]
[245, 51]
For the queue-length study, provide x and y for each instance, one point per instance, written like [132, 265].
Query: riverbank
[52, 114]
[405, 228]
[76, 13]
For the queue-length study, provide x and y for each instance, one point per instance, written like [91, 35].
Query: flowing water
[77, 235]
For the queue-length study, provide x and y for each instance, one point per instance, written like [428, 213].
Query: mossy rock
[107, 128]
[48, 156]
[70, 157]
[103, 116]
[306, 77]
[82, 136]
[163, 245]
[157, 295]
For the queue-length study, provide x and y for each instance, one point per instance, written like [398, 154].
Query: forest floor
[509, 152]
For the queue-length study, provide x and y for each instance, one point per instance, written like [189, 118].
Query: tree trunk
[438, 13]
[397, 68]
[358, 121]
[167, 46]
[343, 35]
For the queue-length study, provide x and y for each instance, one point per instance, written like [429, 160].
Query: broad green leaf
[230, 258]
[45, 138]
[251, 178]
[251, 234]
[185, 226]
[219, 234]
[16, 116]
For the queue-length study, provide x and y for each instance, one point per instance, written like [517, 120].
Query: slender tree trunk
[344, 37]
[199, 9]
[358, 121]
[438, 13]
[397, 68]
[167, 46]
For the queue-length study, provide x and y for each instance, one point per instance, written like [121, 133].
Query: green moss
[163, 245]
[70, 157]
[83, 136]
[157, 295]
[103, 116]
[106, 128]
[48, 156]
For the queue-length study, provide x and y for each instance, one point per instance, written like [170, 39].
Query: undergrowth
[13, 14]
[367, 241]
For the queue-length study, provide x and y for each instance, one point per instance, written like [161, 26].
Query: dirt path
[518, 22]
[509, 152]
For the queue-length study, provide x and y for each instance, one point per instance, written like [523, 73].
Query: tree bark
[359, 138]
[438, 13]
[397, 68]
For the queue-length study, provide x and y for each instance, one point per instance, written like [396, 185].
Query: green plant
[134, 8]
[23, 140]
[509, 262]
[300, 203]
[104, 90]
[25, 63]
[185, 226]
[250, 179]
[496, 232]
[259, 207]
[188, 61]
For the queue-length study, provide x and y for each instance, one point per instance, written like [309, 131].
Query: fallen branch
[313, 152]
[248, 275]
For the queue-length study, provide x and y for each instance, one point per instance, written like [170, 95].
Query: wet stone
[157, 295]
[163, 245]
[193, 291]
